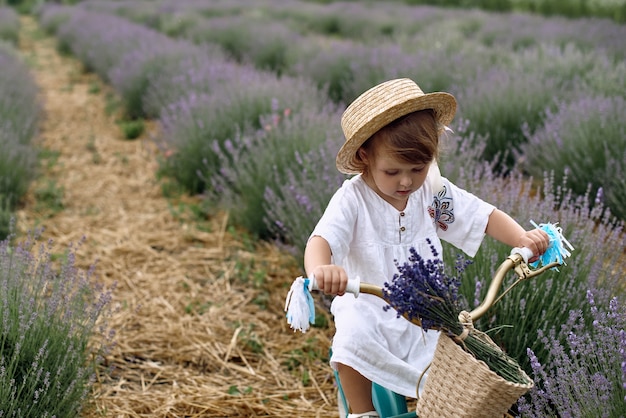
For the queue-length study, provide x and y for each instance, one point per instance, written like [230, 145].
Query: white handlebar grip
[353, 286]
[526, 253]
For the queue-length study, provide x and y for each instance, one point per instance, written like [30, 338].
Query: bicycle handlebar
[300, 307]
[517, 260]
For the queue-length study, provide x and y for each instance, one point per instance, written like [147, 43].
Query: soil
[198, 305]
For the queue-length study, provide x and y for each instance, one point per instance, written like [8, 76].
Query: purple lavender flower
[421, 290]
[586, 370]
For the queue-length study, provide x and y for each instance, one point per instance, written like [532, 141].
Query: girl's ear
[363, 156]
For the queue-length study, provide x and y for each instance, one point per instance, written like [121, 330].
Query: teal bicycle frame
[389, 404]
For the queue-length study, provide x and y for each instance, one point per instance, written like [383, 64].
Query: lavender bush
[19, 115]
[122, 53]
[543, 303]
[52, 334]
[585, 372]
[131, 76]
[347, 68]
[348, 20]
[519, 31]
[191, 125]
[9, 25]
[584, 142]
[196, 74]
[546, 302]
[51, 17]
[294, 202]
[265, 43]
[249, 160]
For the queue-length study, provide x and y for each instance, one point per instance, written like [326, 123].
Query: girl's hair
[413, 138]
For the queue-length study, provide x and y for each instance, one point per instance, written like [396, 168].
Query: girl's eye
[391, 173]
[418, 170]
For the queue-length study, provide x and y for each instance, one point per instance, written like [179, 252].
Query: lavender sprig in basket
[423, 293]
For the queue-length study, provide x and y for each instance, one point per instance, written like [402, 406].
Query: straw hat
[380, 106]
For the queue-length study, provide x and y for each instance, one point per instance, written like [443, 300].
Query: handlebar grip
[525, 252]
[353, 286]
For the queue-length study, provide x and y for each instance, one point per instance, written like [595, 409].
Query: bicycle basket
[460, 386]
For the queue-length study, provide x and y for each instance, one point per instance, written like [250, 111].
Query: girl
[397, 200]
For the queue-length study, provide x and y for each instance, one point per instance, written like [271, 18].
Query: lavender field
[246, 98]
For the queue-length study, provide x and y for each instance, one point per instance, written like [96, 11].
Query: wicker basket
[460, 386]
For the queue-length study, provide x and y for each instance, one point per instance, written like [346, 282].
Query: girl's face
[394, 180]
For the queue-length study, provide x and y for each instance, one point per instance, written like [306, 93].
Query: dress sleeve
[336, 225]
[460, 217]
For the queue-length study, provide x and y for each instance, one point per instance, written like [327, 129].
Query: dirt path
[200, 331]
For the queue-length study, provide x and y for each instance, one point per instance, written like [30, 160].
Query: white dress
[366, 234]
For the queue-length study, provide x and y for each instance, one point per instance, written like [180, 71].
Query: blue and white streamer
[557, 251]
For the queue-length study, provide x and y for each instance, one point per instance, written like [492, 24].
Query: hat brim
[443, 104]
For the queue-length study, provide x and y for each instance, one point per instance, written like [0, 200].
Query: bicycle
[392, 405]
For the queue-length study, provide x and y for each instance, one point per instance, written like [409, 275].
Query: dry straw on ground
[199, 320]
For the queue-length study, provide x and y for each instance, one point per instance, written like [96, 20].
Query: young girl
[397, 200]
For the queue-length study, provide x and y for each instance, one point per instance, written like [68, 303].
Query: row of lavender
[47, 318]
[267, 146]
[213, 112]
[571, 8]
[19, 114]
[9, 25]
[529, 84]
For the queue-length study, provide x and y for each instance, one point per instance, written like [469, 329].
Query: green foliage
[310, 351]
[496, 5]
[49, 198]
[132, 129]
[6, 218]
[611, 9]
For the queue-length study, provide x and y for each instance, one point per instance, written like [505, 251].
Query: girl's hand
[536, 240]
[331, 279]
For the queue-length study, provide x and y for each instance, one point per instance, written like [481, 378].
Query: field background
[198, 304]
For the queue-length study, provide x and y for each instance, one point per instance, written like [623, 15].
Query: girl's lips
[403, 192]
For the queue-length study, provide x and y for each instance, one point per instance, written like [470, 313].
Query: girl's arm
[330, 278]
[506, 230]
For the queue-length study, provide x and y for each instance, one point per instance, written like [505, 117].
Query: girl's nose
[406, 181]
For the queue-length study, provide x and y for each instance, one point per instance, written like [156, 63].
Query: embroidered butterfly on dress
[441, 210]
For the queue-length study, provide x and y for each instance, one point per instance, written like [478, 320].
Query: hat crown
[378, 101]
[381, 105]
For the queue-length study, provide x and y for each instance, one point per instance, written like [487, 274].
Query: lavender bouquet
[423, 293]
